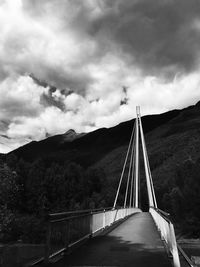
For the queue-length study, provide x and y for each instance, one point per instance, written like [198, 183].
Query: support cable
[132, 171]
[129, 171]
[150, 176]
[136, 165]
[134, 190]
[149, 189]
[122, 174]
[151, 180]
[139, 194]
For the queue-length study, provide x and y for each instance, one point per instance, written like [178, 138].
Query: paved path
[135, 242]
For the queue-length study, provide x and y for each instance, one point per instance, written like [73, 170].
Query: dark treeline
[29, 191]
[181, 198]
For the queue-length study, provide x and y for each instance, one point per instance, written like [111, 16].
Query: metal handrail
[164, 214]
[69, 218]
[67, 213]
[166, 229]
[191, 264]
[69, 228]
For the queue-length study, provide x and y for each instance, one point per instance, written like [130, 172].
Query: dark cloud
[5, 136]
[47, 100]
[4, 125]
[37, 47]
[124, 89]
[81, 53]
[94, 100]
[72, 80]
[159, 36]
[124, 100]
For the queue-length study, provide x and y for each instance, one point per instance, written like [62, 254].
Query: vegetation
[28, 191]
[53, 175]
[183, 201]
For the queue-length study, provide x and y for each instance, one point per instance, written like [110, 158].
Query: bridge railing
[167, 232]
[70, 228]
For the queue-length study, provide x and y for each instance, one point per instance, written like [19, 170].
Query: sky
[86, 64]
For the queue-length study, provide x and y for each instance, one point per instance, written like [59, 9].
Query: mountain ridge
[88, 149]
[96, 158]
[105, 139]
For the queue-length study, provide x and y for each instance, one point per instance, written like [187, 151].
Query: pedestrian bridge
[135, 242]
[117, 236]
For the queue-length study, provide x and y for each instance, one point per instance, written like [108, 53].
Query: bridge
[117, 236]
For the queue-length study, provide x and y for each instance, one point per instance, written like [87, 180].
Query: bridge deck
[135, 242]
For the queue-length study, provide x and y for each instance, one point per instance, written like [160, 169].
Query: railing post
[176, 259]
[166, 229]
[104, 218]
[91, 224]
[48, 243]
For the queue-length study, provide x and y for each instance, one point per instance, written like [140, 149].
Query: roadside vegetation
[29, 191]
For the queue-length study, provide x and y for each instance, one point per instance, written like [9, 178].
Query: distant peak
[71, 135]
[70, 131]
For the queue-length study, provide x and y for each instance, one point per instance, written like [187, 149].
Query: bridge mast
[136, 193]
[133, 172]
[149, 181]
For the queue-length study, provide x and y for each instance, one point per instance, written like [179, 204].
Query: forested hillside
[59, 174]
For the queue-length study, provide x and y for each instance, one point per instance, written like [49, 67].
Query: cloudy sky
[85, 64]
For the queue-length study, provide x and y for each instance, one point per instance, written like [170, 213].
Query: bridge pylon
[132, 161]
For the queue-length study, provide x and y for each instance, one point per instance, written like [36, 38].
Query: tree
[177, 203]
[9, 189]
[9, 201]
[33, 186]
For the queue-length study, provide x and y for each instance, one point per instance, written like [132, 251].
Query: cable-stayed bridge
[117, 236]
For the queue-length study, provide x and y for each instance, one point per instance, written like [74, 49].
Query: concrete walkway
[135, 242]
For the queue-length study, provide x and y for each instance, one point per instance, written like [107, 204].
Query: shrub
[30, 229]
[7, 219]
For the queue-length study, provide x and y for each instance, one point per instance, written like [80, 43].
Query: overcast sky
[100, 59]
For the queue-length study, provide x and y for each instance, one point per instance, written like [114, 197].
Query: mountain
[88, 149]
[4, 141]
[173, 144]
[71, 135]
[172, 140]
[2, 156]
[173, 147]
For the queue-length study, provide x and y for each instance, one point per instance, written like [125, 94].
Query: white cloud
[29, 120]
[19, 96]
[72, 44]
[41, 46]
[74, 102]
